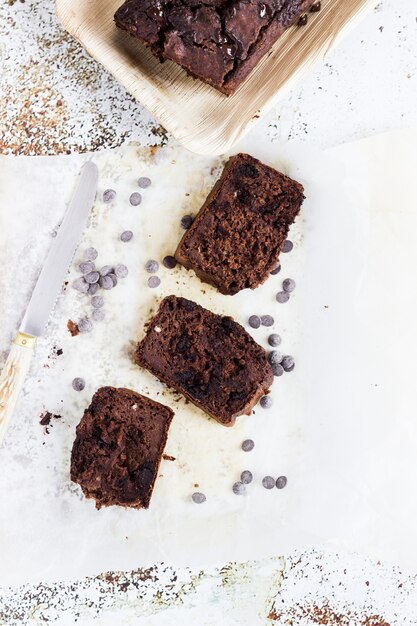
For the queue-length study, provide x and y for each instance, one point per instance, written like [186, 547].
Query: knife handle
[13, 377]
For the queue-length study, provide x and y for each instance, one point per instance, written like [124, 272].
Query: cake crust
[118, 447]
[208, 358]
[236, 237]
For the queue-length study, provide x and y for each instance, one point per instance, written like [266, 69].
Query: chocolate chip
[198, 497]
[78, 384]
[275, 357]
[268, 482]
[169, 262]
[152, 266]
[288, 363]
[106, 282]
[97, 302]
[276, 270]
[274, 340]
[80, 285]
[106, 269]
[126, 235]
[239, 489]
[144, 182]
[84, 325]
[135, 198]
[316, 7]
[114, 278]
[303, 20]
[154, 281]
[91, 254]
[86, 267]
[109, 195]
[121, 270]
[277, 369]
[246, 477]
[92, 277]
[98, 315]
[186, 221]
[267, 320]
[288, 285]
[281, 482]
[248, 445]
[266, 402]
[282, 297]
[254, 321]
[288, 246]
[93, 288]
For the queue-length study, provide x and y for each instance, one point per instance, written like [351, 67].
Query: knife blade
[61, 253]
[46, 292]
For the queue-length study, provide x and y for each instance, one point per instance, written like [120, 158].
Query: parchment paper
[343, 424]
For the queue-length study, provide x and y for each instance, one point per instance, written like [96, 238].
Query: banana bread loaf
[217, 41]
[237, 236]
[210, 359]
[118, 447]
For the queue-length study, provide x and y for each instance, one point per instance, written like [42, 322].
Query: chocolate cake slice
[118, 447]
[217, 41]
[210, 359]
[237, 236]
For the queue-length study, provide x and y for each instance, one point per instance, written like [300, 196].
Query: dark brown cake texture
[237, 236]
[118, 447]
[208, 358]
[217, 41]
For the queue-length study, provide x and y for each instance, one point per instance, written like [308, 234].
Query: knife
[45, 294]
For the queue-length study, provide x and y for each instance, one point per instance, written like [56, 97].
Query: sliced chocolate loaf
[118, 447]
[210, 359]
[237, 236]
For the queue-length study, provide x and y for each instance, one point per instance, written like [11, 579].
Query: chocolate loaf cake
[217, 41]
[237, 236]
[118, 447]
[210, 359]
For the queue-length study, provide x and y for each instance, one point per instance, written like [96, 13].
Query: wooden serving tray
[202, 119]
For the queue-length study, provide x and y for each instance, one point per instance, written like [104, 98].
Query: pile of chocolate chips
[91, 281]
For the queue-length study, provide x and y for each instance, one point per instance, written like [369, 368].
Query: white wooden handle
[13, 376]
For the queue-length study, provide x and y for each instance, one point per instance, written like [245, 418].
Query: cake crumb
[46, 418]
[73, 328]
[168, 457]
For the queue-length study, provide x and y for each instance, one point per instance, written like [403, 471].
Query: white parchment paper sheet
[342, 427]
